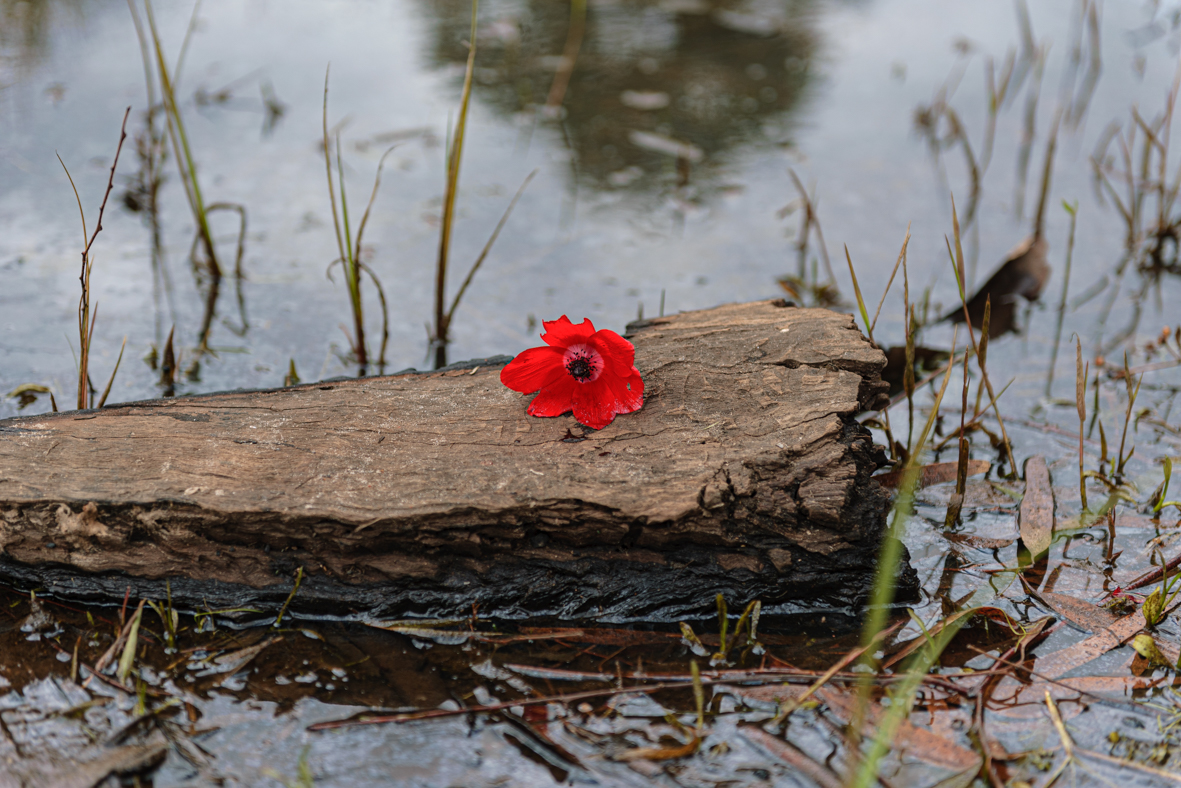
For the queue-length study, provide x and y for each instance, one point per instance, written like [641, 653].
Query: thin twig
[901, 257]
[508, 704]
[487, 248]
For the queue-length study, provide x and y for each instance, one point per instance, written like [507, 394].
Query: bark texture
[428, 493]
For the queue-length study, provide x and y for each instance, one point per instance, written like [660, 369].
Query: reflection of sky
[569, 248]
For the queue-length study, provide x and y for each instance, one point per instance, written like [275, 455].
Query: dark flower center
[580, 368]
[583, 363]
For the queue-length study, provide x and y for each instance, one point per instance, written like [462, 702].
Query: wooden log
[429, 494]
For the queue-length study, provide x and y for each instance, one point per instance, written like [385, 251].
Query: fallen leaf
[659, 753]
[1146, 647]
[236, 660]
[919, 743]
[1023, 273]
[792, 756]
[40, 773]
[925, 359]
[1036, 515]
[1024, 701]
[981, 542]
[936, 473]
[1064, 660]
[1085, 615]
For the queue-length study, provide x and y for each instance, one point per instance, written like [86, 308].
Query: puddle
[664, 182]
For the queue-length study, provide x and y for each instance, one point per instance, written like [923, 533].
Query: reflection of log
[426, 494]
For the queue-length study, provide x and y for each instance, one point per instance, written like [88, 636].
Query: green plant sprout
[1163, 490]
[169, 617]
[1156, 603]
[303, 772]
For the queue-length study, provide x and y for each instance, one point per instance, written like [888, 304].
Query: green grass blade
[857, 292]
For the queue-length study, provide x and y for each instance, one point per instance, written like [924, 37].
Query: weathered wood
[428, 493]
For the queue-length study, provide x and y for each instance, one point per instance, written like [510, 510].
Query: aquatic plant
[203, 239]
[349, 247]
[440, 334]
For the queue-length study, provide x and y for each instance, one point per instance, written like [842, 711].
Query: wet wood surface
[428, 493]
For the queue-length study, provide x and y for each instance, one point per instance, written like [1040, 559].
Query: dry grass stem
[958, 267]
[440, 336]
[577, 29]
[85, 319]
[1080, 401]
[1073, 211]
[487, 248]
[901, 261]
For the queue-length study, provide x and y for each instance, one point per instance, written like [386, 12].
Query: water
[609, 225]
[602, 229]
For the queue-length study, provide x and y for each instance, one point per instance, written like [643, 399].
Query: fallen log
[433, 494]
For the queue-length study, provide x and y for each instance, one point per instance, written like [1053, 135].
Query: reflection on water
[665, 101]
[26, 28]
[656, 89]
[658, 104]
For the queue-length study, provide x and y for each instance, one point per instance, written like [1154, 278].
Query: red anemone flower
[589, 372]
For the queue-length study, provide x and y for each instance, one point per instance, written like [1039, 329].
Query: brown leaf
[919, 743]
[1036, 515]
[936, 473]
[925, 358]
[236, 660]
[1023, 273]
[1067, 659]
[982, 542]
[792, 756]
[1085, 615]
[37, 773]
[659, 753]
[996, 614]
[1027, 699]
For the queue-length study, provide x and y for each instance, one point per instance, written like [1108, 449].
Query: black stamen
[580, 368]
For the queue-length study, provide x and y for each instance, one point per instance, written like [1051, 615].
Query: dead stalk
[958, 267]
[441, 336]
[85, 320]
[1080, 401]
[557, 91]
[1073, 211]
[952, 516]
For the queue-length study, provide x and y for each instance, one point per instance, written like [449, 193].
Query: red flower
[589, 372]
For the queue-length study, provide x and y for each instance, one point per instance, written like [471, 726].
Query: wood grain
[427, 493]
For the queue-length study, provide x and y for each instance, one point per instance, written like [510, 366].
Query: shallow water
[611, 224]
[605, 227]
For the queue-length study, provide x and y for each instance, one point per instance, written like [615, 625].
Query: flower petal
[597, 403]
[618, 352]
[562, 333]
[533, 370]
[633, 400]
[556, 398]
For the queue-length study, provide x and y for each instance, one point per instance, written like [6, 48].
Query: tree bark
[430, 494]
